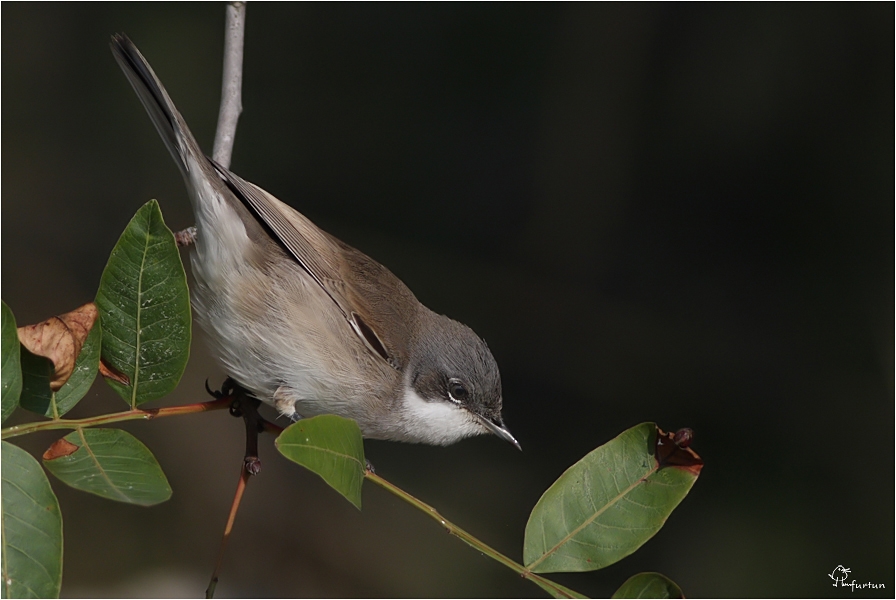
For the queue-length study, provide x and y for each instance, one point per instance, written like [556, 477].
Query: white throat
[436, 422]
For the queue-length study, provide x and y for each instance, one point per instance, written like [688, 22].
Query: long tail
[168, 121]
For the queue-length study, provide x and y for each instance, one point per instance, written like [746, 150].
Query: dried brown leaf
[60, 339]
[110, 372]
[60, 448]
[671, 454]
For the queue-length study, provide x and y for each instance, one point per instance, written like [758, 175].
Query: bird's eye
[457, 391]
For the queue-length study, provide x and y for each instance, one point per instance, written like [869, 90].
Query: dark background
[675, 213]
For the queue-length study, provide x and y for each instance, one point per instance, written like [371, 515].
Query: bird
[308, 324]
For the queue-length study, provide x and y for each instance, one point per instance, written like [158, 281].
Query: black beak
[497, 427]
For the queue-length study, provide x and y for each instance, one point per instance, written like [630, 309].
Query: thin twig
[231, 83]
[242, 405]
[225, 134]
[553, 588]
[128, 415]
[234, 507]
[248, 409]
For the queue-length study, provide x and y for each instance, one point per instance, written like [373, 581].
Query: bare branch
[231, 83]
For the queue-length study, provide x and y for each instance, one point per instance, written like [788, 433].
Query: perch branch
[231, 83]
[234, 507]
[135, 414]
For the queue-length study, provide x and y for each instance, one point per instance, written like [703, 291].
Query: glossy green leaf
[32, 529]
[10, 364]
[144, 309]
[37, 371]
[609, 503]
[110, 463]
[40, 399]
[649, 585]
[330, 446]
[86, 367]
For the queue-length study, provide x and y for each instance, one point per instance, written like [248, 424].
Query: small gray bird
[307, 323]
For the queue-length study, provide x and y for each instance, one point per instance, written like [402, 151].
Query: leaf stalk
[554, 589]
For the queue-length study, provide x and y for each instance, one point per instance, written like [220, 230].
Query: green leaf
[110, 463]
[86, 366]
[649, 585]
[32, 529]
[144, 308]
[609, 503]
[37, 371]
[10, 364]
[330, 446]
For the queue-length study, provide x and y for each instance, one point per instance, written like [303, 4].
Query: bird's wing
[376, 305]
[366, 293]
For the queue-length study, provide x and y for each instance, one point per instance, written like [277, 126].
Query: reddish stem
[234, 507]
[128, 415]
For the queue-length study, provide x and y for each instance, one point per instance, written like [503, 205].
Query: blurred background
[671, 213]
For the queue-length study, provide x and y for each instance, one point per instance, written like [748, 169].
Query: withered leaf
[60, 339]
[60, 448]
[670, 454]
[110, 372]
